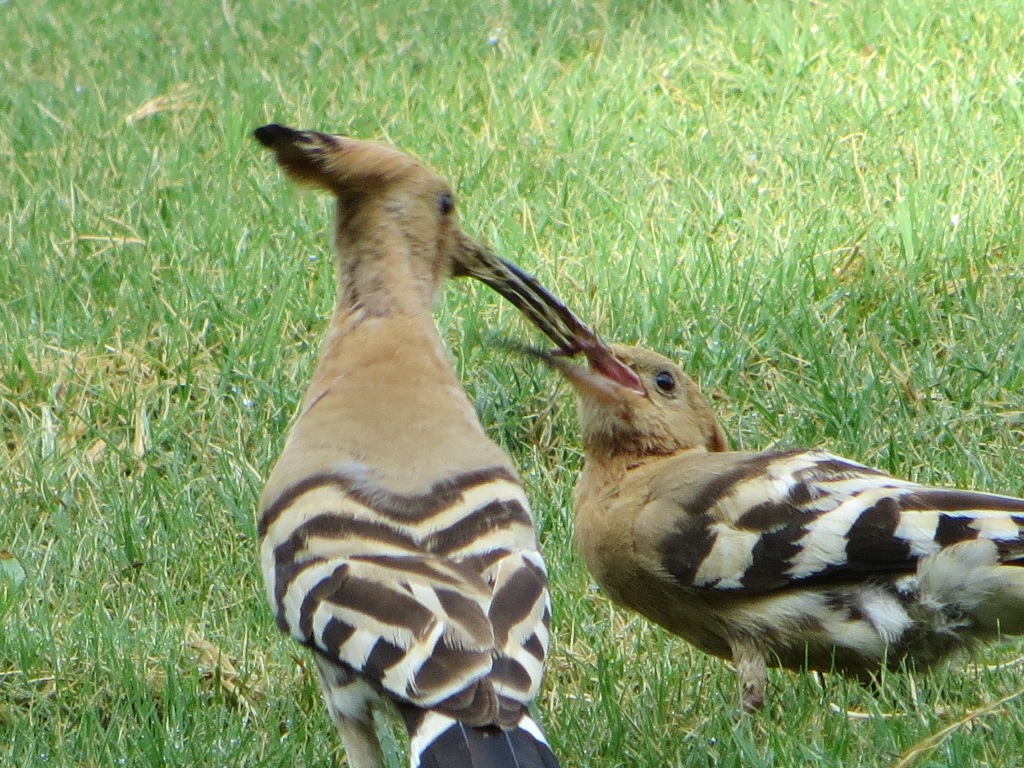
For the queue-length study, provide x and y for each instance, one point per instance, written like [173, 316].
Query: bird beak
[570, 334]
[605, 378]
[602, 378]
[531, 298]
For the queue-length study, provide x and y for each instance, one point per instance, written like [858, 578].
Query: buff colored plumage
[396, 541]
[797, 559]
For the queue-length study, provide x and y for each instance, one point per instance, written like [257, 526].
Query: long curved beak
[568, 333]
[536, 302]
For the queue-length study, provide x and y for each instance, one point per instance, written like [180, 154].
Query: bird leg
[361, 745]
[345, 696]
[751, 669]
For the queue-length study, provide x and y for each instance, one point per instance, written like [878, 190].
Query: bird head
[374, 182]
[381, 193]
[659, 411]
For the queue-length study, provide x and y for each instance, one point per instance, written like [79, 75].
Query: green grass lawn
[818, 208]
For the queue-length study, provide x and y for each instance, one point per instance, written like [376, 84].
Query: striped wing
[778, 520]
[441, 599]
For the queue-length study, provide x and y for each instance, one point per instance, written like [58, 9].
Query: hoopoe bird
[798, 559]
[396, 541]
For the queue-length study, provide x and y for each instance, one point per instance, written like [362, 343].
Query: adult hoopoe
[798, 559]
[395, 538]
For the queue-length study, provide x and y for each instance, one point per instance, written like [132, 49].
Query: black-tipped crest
[273, 134]
[336, 163]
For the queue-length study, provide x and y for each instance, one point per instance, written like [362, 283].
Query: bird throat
[385, 279]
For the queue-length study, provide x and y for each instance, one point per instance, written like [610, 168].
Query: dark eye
[445, 203]
[664, 381]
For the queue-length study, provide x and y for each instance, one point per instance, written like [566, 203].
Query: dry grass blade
[856, 714]
[107, 242]
[215, 664]
[142, 438]
[1005, 665]
[170, 102]
[927, 745]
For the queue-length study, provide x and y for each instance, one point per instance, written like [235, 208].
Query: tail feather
[438, 741]
[968, 579]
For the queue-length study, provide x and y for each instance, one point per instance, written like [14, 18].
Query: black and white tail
[437, 741]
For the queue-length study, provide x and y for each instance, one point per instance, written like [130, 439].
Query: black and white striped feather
[438, 601]
[795, 519]
[430, 597]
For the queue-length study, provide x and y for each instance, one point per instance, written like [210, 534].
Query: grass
[816, 207]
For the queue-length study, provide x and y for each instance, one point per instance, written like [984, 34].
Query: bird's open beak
[607, 367]
[570, 334]
[601, 379]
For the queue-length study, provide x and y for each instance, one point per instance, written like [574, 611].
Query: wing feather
[451, 614]
[793, 519]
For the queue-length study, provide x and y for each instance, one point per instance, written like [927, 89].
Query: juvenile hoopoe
[396, 540]
[798, 559]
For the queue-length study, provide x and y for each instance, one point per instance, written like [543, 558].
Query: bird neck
[385, 396]
[612, 466]
[619, 443]
[383, 281]
[385, 266]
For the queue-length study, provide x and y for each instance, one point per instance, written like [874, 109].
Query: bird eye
[445, 203]
[664, 381]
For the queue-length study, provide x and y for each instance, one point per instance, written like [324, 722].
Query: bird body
[396, 540]
[799, 559]
[344, 402]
